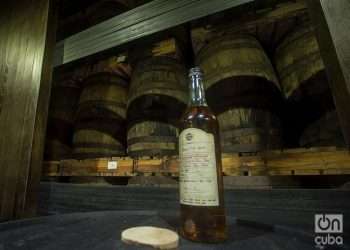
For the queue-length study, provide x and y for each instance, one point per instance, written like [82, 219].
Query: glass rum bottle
[201, 186]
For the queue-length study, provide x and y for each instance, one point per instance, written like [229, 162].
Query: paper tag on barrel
[112, 165]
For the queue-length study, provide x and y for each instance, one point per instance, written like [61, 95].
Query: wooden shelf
[313, 161]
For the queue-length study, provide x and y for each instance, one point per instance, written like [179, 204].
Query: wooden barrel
[324, 132]
[105, 9]
[238, 73]
[100, 129]
[152, 138]
[158, 89]
[98, 138]
[248, 130]
[62, 110]
[104, 96]
[302, 74]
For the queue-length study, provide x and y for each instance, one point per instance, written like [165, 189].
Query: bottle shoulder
[199, 117]
[199, 113]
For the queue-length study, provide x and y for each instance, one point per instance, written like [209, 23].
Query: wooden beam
[139, 22]
[301, 161]
[332, 24]
[35, 171]
[25, 81]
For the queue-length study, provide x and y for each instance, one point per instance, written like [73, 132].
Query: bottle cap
[196, 71]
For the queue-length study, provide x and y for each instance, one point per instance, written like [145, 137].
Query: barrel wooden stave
[248, 130]
[243, 90]
[302, 73]
[99, 138]
[158, 87]
[152, 138]
[297, 60]
[101, 116]
[303, 80]
[232, 56]
[104, 96]
[238, 73]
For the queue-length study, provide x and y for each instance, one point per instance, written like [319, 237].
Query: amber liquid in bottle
[201, 186]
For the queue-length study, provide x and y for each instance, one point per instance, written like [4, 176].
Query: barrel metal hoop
[98, 145]
[115, 79]
[236, 132]
[155, 139]
[101, 104]
[214, 48]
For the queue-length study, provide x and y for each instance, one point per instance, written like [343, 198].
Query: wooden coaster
[158, 238]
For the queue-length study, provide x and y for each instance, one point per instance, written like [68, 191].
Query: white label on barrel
[121, 59]
[198, 174]
[112, 165]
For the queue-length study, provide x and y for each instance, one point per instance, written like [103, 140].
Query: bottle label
[198, 174]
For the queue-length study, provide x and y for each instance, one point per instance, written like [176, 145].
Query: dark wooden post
[26, 46]
[331, 19]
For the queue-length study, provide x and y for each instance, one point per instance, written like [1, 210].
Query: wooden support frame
[142, 21]
[331, 20]
[25, 78]
[301, 161]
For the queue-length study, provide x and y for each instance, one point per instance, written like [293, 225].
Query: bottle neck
[197, 93]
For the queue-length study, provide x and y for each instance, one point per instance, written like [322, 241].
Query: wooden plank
[332, 24]
[22, 50]
[309, 162]
[96, 167]
[139, 22]
[51, 168]
[313, 161]
[235, 165]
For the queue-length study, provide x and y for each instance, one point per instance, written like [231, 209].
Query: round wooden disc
[158, 238]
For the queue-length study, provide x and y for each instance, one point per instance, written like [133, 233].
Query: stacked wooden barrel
[249, 130]
[243, 91]
[100, 121]
[64, 99]
[305, 86]
[157, 98]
